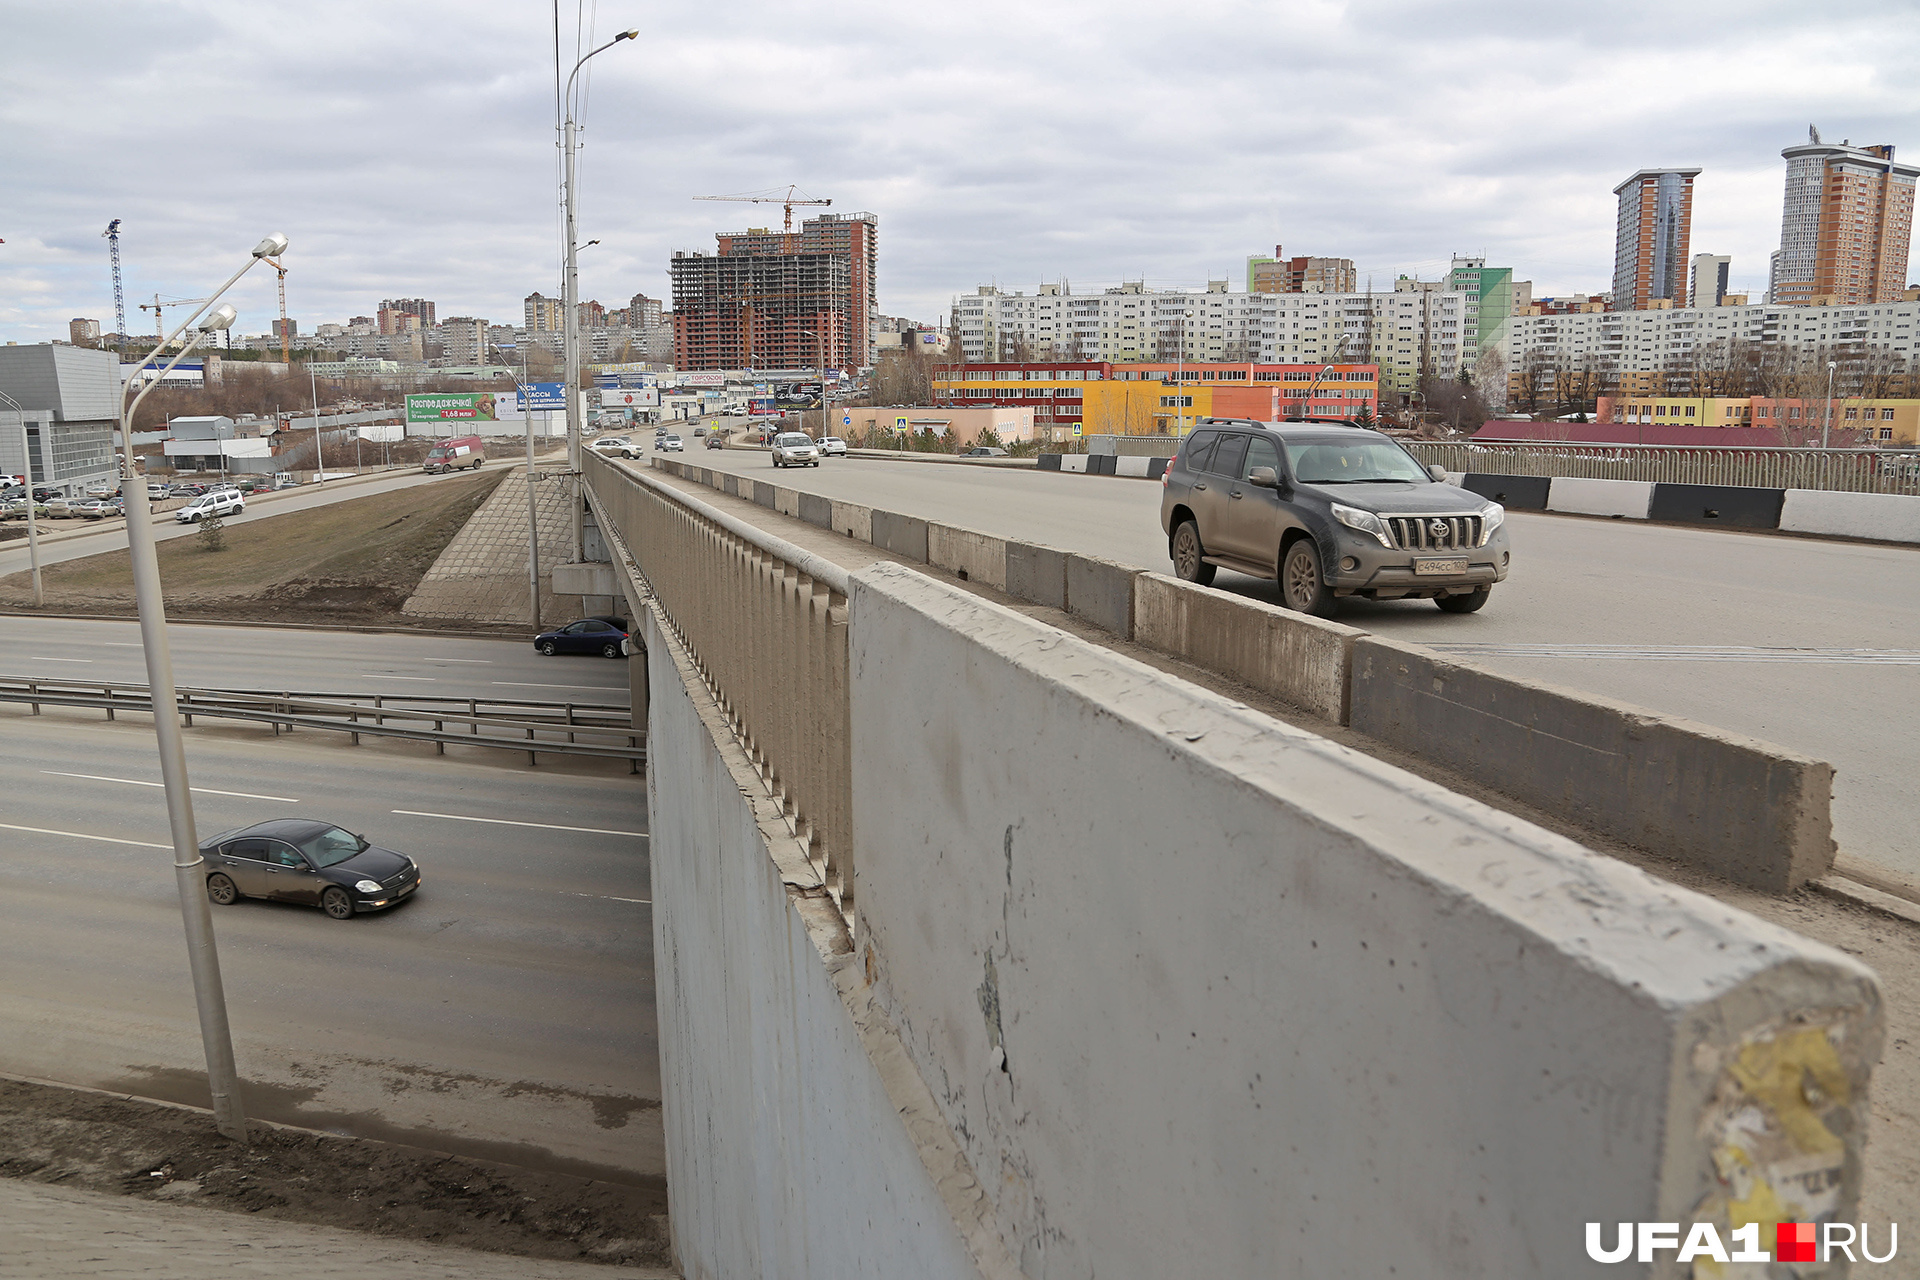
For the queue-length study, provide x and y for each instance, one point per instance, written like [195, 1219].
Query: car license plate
[1423, 568]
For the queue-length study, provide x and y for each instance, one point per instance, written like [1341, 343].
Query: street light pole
[570, 299]
[1180, 379]
[33, 527]
[319, 446]
[223, 1080]
[1827, 422]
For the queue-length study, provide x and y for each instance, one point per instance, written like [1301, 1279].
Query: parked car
[220, 502]
[832, 447]
[716, 441]
[984, 451]
[616, 447]
[156, 489]
[605, 636]
[307, 861]
[99, 508]
[63, 508]
[671, 444]
[16, 509]
[1328, 511]
[795, 449]
[455, 453]
[100, 489]
[185, 490]
[48, 492]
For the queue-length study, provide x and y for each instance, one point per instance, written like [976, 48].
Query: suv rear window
[1199, 445]
[1232, 451]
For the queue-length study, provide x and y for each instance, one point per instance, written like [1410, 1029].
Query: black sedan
[604, 636]
[306, 861]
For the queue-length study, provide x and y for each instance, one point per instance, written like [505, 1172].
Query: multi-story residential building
[644, 312]
[1281, 274]
[1651, 237]
[1849, 420]
[1707, 283]
[1846, 224]
[1487, 305]
[285, 328]
[463, 340]
[591, 314]
[780, 298]
[83, 333]
[414, 307]
[544, 314]
[394, 320]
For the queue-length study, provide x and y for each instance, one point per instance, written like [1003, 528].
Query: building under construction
[773, 299]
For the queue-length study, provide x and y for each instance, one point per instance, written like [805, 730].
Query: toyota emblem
[1438, 528]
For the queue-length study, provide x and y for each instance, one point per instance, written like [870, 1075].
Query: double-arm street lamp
[570, 299]
[203, 961]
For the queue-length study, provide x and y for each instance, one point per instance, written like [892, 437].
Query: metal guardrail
[766, 625]
[537, 728]
[1845, 470]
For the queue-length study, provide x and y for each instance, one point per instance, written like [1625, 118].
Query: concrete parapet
[975, 557]
[1731, 805]
[1036, 574]
[1331, 1018]
[853, 520]
[904, 536]
[1296, 658]
[1131, 466]
[1516, 493]
[1741, 506]
[1628, 499]
[1885, 517]
[816, 510]
[1101, 591]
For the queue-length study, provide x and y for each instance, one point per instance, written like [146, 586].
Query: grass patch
[351, 561]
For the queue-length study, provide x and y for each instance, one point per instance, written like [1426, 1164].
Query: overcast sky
[406, 148]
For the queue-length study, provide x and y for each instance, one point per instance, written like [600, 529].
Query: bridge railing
[766, 625]
[1846, 470]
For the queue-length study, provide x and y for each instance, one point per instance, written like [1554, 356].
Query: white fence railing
[1851, 470]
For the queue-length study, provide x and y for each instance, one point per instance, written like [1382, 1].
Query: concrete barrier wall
[1037, 574]
[976, 557]
[1625, 498]
[1258, 1005]
[1736, 505]
[1516, 493]
[1101, 591]
[1887, 517]
[798, 1139]
[1740, 808]
[1301, 660]
[904, 536]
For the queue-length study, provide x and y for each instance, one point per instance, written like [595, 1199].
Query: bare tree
[1536, 379]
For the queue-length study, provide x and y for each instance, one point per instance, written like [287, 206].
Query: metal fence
[765, 623]
[1851, 470]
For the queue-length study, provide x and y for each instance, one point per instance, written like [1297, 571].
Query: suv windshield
[1355, 462]
[329, 847]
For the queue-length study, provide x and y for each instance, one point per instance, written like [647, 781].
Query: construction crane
[286, 340]
[112, 236]
[159, 326]
[772, 195]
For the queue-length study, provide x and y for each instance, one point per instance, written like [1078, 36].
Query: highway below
[505, 1012]
[1811, 645]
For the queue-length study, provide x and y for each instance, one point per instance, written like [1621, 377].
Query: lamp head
[626, 35]
[221, 317]
[272, 247]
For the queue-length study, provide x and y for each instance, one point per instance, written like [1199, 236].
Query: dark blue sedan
[604, 636]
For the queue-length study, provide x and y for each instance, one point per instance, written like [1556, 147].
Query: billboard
[546, 395]
[700, 379]
[451, 406]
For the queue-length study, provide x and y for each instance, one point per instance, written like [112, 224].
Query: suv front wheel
[1466, 603]
[1302, 586]
[1188, 565]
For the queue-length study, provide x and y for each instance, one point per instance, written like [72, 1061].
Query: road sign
[546, 395]
[846, 419]
[900, 423]
[1076, 428]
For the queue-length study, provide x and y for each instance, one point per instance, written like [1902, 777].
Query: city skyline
[978, 167]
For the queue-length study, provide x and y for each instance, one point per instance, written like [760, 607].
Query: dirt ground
[351, 563]
[101, 1142]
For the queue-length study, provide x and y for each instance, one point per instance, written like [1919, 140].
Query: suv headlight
[1364, 521]
[1492, 518]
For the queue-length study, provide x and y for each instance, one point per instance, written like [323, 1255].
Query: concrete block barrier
[1627, 499]
[1737, 505]
[975, 557]
[1157, 467]
[1048, 462]
[1885, 517]
[1101, 591]
[1301, 660]
[1740, 808]
[1131, 467]
[816, 510]
[1074, 462]
[1516, 493]
[762, 494]
[853, 520]
[1037, 575]
[902, 535]
[1101, 464]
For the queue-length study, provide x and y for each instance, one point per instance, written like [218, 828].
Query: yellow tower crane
[772, 195]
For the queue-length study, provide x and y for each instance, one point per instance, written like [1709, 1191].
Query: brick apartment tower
[779, 299]
[1281, 274]
[1651, 238]
[1845, 226]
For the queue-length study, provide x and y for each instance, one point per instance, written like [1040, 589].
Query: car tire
[336, 903]
[609, 650]
[1303, 588]
[222, 890]
[1467, 603]
[1187, 552]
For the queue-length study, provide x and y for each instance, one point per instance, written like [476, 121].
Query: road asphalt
[1813, 645]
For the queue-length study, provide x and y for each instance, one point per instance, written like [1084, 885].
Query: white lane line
[59, 659]
[136, 782]
[123, 644]
[645, 902]
[596, 688]
[503, 822]
[82, 835]
[484, 662]
[365, 676]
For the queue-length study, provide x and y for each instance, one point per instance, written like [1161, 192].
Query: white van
[220, 502]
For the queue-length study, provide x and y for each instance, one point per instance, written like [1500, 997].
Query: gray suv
[1328, 511]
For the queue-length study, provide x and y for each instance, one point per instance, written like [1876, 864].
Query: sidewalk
[52, 1233]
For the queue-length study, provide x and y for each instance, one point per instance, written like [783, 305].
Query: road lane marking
[594, 688]
[645, 902]
[366, 676]
[503, 822]
[59, 659]
[1685, 653]
[484, 662]
[82, 835]
[123, 644]
[136, 782]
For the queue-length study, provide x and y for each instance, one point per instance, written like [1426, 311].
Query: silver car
[794, 449]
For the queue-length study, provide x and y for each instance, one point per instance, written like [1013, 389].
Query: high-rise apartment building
[1845, 225]
[1488, 305]
[1651, 238]
[782, 299]
[463, 340]
[1281, 274]
[1708, 285]
[83, 333]
[394, 320]
[644, 312]
[413, 307]
[544, 315]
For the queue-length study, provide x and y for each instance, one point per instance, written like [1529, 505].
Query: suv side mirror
[1438, 472]
[1263, 478]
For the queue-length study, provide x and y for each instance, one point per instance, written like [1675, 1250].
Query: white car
[217, 502]
[794, 449]
[832, 447]
[616, 447]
